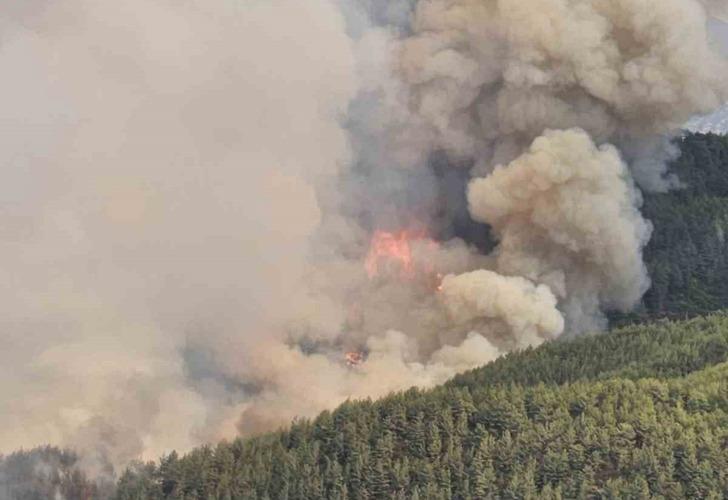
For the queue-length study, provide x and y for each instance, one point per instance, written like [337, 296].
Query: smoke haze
[190, 190]
[158, 195]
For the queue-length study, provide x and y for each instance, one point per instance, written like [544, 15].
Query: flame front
[389, 247]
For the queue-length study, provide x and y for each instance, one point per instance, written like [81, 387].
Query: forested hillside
[639, 412]
[48, 473]
[686, 257]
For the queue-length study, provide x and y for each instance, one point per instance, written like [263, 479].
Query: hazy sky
[720, 31]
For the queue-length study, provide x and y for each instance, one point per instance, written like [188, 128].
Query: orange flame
[393, 247]
[354, 358]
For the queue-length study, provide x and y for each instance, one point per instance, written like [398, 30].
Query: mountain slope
[507, 427]
[48, 473]
[531, 407]
[612, 416]
[687, 256]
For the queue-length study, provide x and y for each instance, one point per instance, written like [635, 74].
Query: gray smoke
[717, 9]
[191, 189]
[486, 78]
[481, 83]
[160, 162]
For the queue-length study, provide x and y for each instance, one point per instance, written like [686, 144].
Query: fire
[393, 247]
[354, 358]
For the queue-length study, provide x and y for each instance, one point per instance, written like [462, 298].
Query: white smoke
[190, 190]
[566, 215]
[529, 311]
[297, 384]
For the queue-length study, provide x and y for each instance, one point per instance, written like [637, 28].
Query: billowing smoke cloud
[486, 78]
[190, 190]
[299, 384]
[528, 311]
[565, 214]
[158, 192]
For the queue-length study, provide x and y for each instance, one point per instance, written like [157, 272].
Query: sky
[716, 122]
[720, 31]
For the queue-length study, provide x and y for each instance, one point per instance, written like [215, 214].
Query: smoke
[47, 473]
[486, 78]
[717, 9]
[528, 311]
[190, 190]
[566, 215]
[160, 162]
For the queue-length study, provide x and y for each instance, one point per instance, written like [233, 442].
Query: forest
[686, 256]
[638, 413]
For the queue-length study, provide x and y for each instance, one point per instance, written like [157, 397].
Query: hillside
[569, 419]
[363, 249]
[639, 410]
[686, 257]
[48, 472]
[642, 410]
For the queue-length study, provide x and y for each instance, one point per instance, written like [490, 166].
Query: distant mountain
[716, 122]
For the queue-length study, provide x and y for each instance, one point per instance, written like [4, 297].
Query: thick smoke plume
[160, 161]
[565, 215]
[190, 190]
[484, 78]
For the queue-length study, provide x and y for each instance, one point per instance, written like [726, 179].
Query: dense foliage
[686, 257]
[636, 414]
[47, 473]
